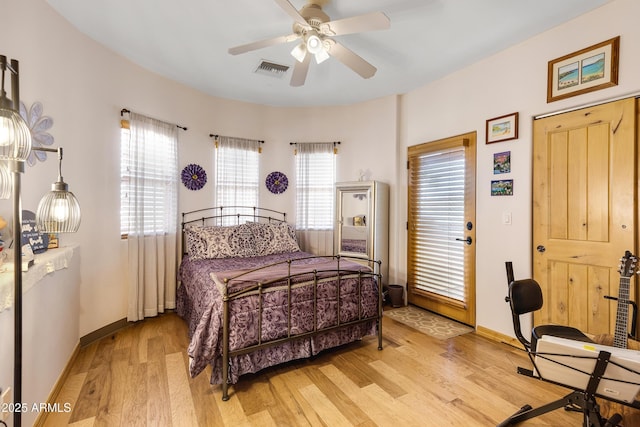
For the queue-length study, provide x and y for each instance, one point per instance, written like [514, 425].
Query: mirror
[354, 221]
[361, 223]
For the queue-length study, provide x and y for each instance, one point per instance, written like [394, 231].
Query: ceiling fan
[315, 29]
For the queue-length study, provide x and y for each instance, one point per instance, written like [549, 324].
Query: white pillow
[220, 242]
[273, 238]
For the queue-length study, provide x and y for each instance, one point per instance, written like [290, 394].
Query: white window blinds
[148, 176]
[315, 181]
[437, 193]
[237, 174]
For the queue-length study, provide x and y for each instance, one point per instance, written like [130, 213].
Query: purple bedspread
[354, 245]
[200, 304]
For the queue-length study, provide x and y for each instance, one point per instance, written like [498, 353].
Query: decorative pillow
[241, 241]
[274, 238]
[195, 244]
[220, 242]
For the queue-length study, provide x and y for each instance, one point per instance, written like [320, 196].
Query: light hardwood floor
[139, 377]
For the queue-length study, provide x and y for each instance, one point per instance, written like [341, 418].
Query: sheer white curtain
[150, 203]
[237, 174]
[315, 187]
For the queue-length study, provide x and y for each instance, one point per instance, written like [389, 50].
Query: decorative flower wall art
[39, 125]
[277, 182]
[193, 177]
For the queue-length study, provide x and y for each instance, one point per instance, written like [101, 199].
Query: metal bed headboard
[215, 216]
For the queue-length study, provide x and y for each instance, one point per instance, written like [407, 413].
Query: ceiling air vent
[272, 69]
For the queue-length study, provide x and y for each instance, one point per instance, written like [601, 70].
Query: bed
[252, 299]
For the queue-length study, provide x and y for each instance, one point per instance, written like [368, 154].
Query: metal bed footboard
[337, 274]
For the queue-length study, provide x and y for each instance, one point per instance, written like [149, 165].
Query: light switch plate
[506, 218]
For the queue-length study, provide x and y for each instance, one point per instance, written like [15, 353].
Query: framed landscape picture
[589, 69]
[502, 128]
[502, 162]
[502, 187]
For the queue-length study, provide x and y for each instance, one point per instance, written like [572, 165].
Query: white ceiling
[187, 41]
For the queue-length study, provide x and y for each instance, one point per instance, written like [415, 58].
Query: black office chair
[525, 296]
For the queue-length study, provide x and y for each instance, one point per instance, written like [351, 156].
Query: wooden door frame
[445, 306]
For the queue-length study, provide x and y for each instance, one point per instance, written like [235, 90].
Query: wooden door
[441, 225]
[584, 211]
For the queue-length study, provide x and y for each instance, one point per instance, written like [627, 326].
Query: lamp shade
[15, 136]
[321, 56]
[299, 52]
[5, 180]
[58, 211]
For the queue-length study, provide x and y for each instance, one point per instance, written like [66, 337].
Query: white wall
[50, 328]
[366, 132]
[513, 80]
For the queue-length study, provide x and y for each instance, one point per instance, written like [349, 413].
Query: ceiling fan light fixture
[321, 56]
[314, 42]
[315, 29]
[299, 52]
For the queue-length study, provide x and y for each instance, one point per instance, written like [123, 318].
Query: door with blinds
[441, 227]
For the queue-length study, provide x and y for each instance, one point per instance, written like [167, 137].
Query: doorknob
[467, 240]
[541, 248]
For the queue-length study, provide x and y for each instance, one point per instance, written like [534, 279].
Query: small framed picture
[502, 128]
[359, 221]
[502, 162]
[53, 241]
[589, 69]
[502, 187]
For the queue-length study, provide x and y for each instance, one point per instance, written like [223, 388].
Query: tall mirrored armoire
[361, 227]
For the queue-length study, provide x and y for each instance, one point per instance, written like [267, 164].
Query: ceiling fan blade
[356, 24]
[300, 70]
[292, 12]
[352, 60]
[262, 43]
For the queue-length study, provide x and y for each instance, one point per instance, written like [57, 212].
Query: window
[438, 217]
[148, 176]
[237, 174]
[315, 178]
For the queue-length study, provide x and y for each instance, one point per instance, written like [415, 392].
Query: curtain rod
[212, 135]
[296, 143]
[125, 111]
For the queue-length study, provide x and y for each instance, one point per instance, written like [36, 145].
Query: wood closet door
[584, 212]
